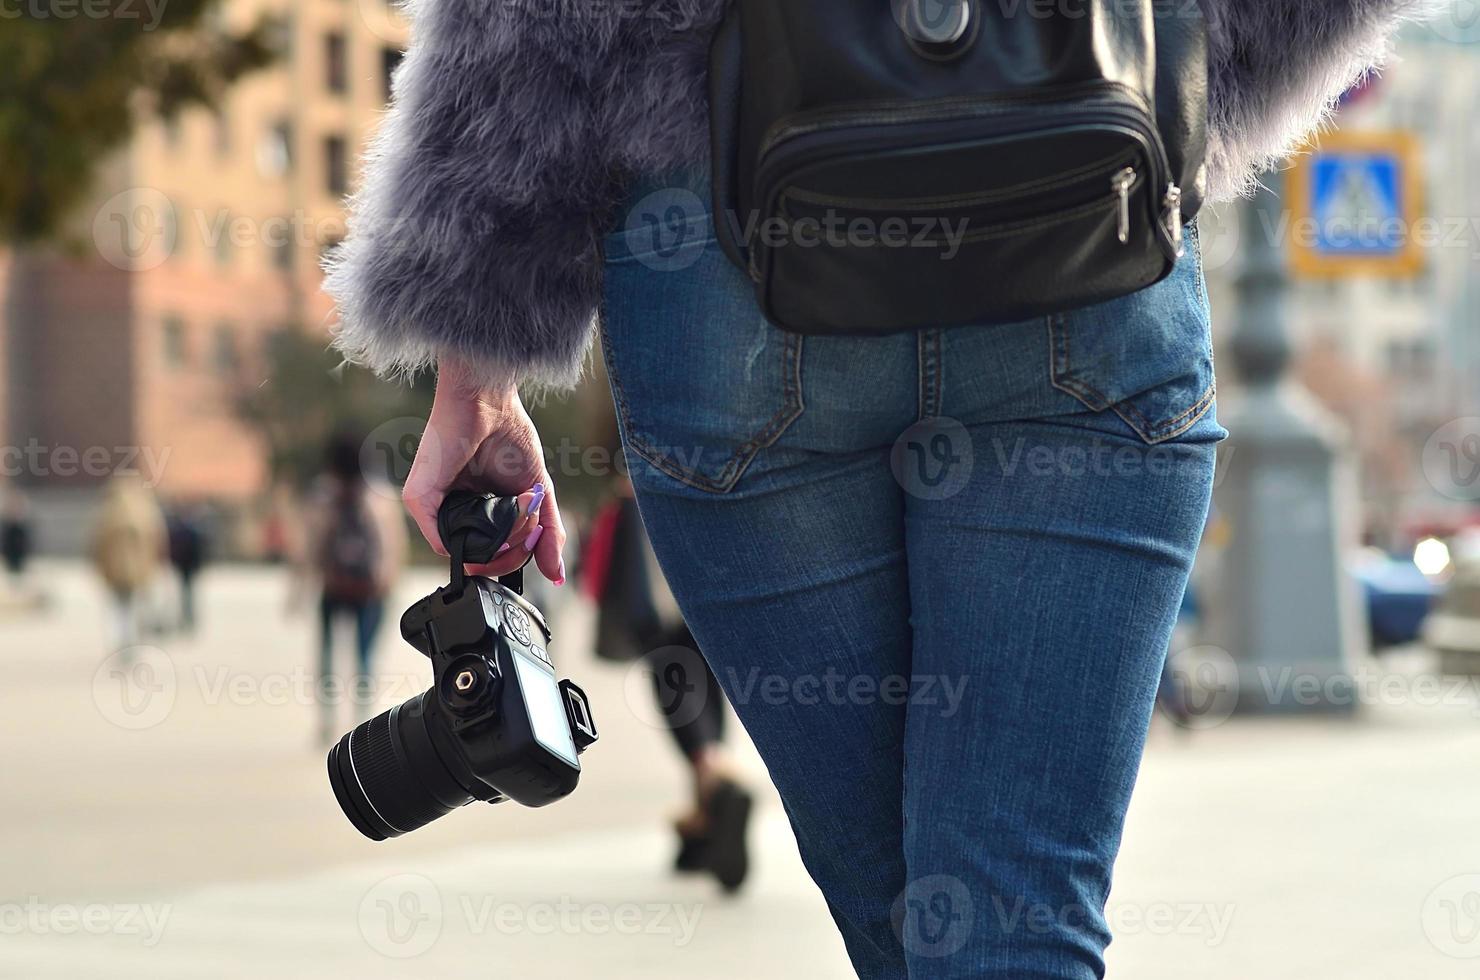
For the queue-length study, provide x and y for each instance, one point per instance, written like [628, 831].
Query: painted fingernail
[534, 537]
[560, 576]
[502, 548]
[537, 499]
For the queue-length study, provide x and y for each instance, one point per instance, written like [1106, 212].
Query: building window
[275, 152]
[336, 166]
[336, 63]
[390, 58]
[172, 337]
[225, 355]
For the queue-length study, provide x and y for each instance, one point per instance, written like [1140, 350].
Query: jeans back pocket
[701, 380]
[1147, 356]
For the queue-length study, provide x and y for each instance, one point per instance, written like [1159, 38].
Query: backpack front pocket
[1037, 205]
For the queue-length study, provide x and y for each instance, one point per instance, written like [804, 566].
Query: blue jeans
[935, 573]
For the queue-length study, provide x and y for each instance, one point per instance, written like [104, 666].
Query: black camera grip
[473, 527]
[483, 520]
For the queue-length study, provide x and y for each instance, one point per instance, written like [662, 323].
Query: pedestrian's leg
[688, 696]
[713, 833]
[368, 617]
[702, 737]
[187, 601]
[326, 696]
[127, 609]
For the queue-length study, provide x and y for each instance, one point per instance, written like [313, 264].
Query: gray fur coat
[516, 123]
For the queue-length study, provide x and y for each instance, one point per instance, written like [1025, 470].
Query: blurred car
[1397, 595]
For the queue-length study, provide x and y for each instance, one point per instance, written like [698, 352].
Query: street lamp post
[1285, 609]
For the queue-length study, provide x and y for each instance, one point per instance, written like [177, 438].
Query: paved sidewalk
[584, 904]
[191, 833]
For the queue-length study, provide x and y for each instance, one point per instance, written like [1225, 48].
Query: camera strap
[474, 526]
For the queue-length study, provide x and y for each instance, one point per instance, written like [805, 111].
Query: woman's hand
[482, 439]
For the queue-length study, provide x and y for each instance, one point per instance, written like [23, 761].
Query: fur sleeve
[1276, 68]
[514, 128]
[476, 228]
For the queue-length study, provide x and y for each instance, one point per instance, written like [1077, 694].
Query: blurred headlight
[1431, 556]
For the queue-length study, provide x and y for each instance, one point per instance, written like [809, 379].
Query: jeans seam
[928, 347]
[919, 375]
[1058, 368]
[937, 372]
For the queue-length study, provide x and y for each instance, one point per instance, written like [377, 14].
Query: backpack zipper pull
[1120, 185]
[1172, 201]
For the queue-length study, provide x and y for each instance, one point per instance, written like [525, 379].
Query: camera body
[519, 730]
[496, 723]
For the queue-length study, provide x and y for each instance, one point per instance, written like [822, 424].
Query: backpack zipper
[1120, 186]
[1133, 115]
[1172, 204]
[1042, 185]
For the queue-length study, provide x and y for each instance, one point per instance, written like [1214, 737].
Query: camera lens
[396, 772]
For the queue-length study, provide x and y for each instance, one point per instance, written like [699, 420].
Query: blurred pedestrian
[128, 546]
[278, 546]
[16, 538]
[355, 545]
[638, 618]
[189, 544]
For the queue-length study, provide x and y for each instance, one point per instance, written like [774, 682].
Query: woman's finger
[507, 561]
[529, 506]
[522, 537]
[549, 549]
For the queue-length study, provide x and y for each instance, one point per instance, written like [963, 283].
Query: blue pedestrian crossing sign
[1357, 209]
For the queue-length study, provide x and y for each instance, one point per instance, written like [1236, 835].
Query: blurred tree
[76, 81]
[307, 393]
[303, 392]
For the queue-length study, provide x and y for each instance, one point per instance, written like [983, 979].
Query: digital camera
[495, 724]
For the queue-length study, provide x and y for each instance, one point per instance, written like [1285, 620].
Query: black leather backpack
[889, 165]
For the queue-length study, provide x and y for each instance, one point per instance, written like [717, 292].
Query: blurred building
[204, 236]
[1400, 356]
[1394, 356]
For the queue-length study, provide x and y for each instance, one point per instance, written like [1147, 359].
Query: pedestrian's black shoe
[729, 818]
[693, 853]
